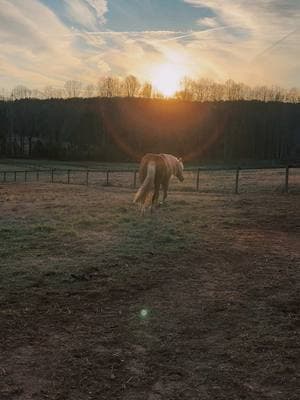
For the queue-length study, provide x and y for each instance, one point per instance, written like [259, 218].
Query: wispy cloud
[100, 8]
[208, 22]
[266, 33]
[88, 14]
[239, 40]
[38, 49]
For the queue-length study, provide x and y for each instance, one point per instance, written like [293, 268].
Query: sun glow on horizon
[166, 78]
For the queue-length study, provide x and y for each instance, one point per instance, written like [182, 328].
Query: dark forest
[123, 129]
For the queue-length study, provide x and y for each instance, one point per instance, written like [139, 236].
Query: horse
[156, 171]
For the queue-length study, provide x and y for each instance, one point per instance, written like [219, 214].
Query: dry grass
[216, 273]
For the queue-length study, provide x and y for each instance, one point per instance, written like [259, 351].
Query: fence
[204, 179]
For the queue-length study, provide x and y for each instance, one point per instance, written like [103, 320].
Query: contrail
[219, 28]
[269, 48]
[182, 34]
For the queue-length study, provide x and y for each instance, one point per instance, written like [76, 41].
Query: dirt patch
[198, 301]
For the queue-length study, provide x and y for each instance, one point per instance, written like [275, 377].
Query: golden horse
[155, 172]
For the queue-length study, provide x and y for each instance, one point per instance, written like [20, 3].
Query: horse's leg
[155, 196]
[142, 209]
[165, 189]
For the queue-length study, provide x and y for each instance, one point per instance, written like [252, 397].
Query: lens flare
[144, 313]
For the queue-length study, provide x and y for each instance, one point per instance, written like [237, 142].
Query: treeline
[200, 90]
[123, 129]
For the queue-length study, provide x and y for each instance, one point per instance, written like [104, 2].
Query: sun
[166, 78]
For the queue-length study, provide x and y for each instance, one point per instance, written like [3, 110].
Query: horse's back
[160, 164]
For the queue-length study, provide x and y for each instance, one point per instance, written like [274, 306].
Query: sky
[46, 42]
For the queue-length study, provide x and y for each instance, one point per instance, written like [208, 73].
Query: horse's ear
[180, 159]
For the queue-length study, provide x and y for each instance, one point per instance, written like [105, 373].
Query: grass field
[197, 301]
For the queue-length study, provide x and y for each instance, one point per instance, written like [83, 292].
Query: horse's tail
[145, 193]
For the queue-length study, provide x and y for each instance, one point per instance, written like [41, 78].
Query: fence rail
[197, 178]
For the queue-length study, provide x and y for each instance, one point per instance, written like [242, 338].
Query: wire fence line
[205, 179]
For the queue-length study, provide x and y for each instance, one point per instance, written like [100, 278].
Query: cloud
[208, 22]
[100, 7]
[88, 14]
[264, 33]
[38, 49]
[255, 42]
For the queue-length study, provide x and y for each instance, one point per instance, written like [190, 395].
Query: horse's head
[179, 173]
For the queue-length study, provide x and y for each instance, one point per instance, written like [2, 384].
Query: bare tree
[200, 90]
[293, 95]
[37, 94]
[20, 92]
[58, 93]
[89, 90]
[206, 90]
[49, 92]
[4, 94]
[186, 92]
[232, 90]
[146, 90]
[109, 87]
[132, 85]
[278, 93]
[73, 88]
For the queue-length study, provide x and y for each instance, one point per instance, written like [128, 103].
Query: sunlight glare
[166, 78]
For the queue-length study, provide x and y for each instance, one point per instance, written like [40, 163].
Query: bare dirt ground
[198, 301]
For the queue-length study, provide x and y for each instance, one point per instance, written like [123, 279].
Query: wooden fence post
[287, 179]
[198, 179]
[237, 180]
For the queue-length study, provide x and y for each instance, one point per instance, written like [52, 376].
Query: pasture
[197, 301]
